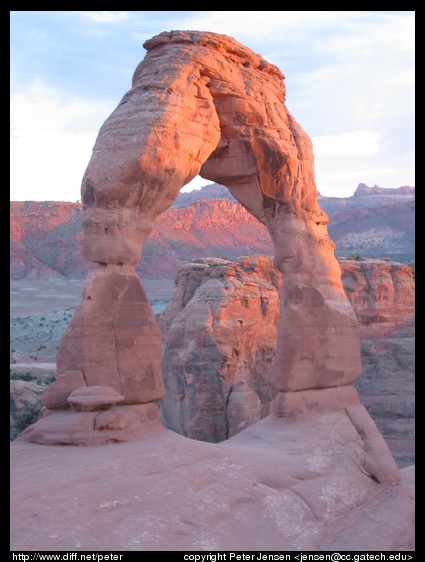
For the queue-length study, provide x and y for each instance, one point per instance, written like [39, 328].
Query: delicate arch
[201, 103]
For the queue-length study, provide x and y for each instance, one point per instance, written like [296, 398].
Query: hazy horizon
[183, 190]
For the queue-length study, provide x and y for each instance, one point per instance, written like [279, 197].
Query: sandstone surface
[201, 103]
[93, 427]
[113, 338]
[219, 228]
[55, 397]
[383, 295]
[236, 131]
[25, 405]
[92, 398]
[45, 238]
[301, 484]
[220, 332]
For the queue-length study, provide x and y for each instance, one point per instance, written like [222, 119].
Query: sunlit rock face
[201, 103]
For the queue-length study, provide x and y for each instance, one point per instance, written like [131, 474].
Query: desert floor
[40, 312]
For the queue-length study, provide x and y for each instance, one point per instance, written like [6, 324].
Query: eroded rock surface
[299, 483]
[113, 338]
[25, 405]
[382, 293]
[208, 222]
[220, 334]
[201, 103]
[56, 395]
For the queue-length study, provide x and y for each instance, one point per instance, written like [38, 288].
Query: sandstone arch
[201, 103]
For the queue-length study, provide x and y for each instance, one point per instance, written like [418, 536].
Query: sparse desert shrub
[355, 257]
[14, 376]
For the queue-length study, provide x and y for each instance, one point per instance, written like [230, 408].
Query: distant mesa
[364, 190]
[45, 236]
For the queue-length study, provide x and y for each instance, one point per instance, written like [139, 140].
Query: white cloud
[260, 23]
[106, 17]
[49, 167]
[51, 142]
[51, 139]
[356, 143]
[40, 107]
[396, 32]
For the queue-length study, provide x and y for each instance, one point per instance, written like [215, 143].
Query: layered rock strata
[220, 332]
[382, 293]
[220, 335]
[208, 222]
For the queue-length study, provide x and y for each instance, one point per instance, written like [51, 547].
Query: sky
[349, 79]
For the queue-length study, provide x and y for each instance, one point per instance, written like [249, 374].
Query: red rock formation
[44, 238]
[236, 131]
[220, 333]
[201, 103]
[217, 227]
[57, 394]
[42, 247]
[29, 218]
[215, 368]
[25, 405]
[298, 484]
[382, 294]
[23, 264]
[125, 349]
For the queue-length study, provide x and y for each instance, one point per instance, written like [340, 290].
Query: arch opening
[217, 109]
[201, 103]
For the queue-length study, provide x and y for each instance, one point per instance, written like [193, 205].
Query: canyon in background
[45, 236]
